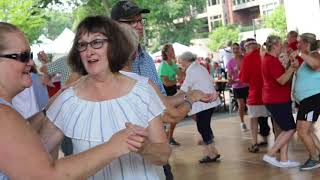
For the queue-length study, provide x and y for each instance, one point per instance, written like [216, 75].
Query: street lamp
[254, 25]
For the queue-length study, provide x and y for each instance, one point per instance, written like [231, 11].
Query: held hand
[42, 56]
[195, 95]
[294, 64]
[138, 138]
[210, 97]
[45, 80]
[293, 54]
[119, 141]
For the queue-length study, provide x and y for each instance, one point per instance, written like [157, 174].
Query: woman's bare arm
[24, 157]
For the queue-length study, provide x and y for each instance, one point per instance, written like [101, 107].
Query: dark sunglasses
[23, 57]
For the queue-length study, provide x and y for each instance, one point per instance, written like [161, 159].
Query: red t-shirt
[250, 73]
[293, 47]
[272, 91]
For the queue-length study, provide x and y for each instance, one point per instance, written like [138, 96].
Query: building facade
[303, 16]
[241, 12]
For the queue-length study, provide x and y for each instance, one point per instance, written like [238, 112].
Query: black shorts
[309, 109]
[241, 93]
[282, 115]
[170, 90]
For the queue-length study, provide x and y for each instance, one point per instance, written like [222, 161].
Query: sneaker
[289, 164]
[310, 164]
[272, 160]
[243, 127]
[173, 142]
[253, 148]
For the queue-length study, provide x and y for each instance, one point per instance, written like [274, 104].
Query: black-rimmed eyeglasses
[95, 44]
[23, 57]
[134, 22]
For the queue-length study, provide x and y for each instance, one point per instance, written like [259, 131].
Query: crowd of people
[113, 107]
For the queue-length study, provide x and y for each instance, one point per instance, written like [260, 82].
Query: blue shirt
[40, 91]
[307, 82]
[144, 66]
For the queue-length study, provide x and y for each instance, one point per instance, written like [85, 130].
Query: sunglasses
[23, 57]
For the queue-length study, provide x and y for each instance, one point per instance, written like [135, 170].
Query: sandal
[207, 159]
[263, 143]
[254, 148]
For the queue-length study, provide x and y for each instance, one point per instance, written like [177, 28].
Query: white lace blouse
[90, 123]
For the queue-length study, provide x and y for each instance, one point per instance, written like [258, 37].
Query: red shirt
[293, 46]
[272, 91]
[250, 73]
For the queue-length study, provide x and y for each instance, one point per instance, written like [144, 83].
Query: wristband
[187, 101]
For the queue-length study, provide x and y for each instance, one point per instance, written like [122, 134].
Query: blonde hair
[6, 28]
[271, 41]
[310, 39]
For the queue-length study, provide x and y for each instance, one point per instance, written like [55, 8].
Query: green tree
[57, 22]
[169, 20]
[277, 21]
[24, 14]
[221, 35]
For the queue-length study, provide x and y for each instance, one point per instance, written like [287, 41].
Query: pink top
[233, 69]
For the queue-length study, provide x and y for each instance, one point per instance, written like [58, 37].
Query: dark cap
[126, 9]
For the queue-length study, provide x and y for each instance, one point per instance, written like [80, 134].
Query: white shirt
[90, 123]
[226, 56]
[198, 78]
[25, 103]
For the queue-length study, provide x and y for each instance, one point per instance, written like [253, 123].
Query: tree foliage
[277, 21]
[223, 34]
[57, 22]
[24, 14]
[160, 27]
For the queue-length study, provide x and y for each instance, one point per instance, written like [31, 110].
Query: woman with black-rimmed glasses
[101, 103]
[22, 155]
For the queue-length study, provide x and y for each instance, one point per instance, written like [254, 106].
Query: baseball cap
[126, 9]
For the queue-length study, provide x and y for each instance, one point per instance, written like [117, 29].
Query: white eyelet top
[90, 123]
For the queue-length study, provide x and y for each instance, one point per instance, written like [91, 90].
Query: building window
[213, 2]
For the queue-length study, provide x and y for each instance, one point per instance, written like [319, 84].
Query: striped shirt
[90, 123]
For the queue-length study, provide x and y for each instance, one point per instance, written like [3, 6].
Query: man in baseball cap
[129, 13]
[126, 9]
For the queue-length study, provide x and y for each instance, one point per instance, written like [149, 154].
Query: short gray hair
[188, 56]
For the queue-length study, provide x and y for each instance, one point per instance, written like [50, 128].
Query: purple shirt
[233, 70]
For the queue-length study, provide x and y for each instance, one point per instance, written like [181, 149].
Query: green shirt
[167, 70]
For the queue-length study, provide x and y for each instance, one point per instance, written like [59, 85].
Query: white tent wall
[58, 47]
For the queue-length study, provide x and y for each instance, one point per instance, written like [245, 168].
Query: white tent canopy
[58, 47]
[63, 43]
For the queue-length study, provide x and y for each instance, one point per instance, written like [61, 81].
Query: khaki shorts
[255, 111]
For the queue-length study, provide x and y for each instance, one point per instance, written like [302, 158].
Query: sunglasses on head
[23, 57]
